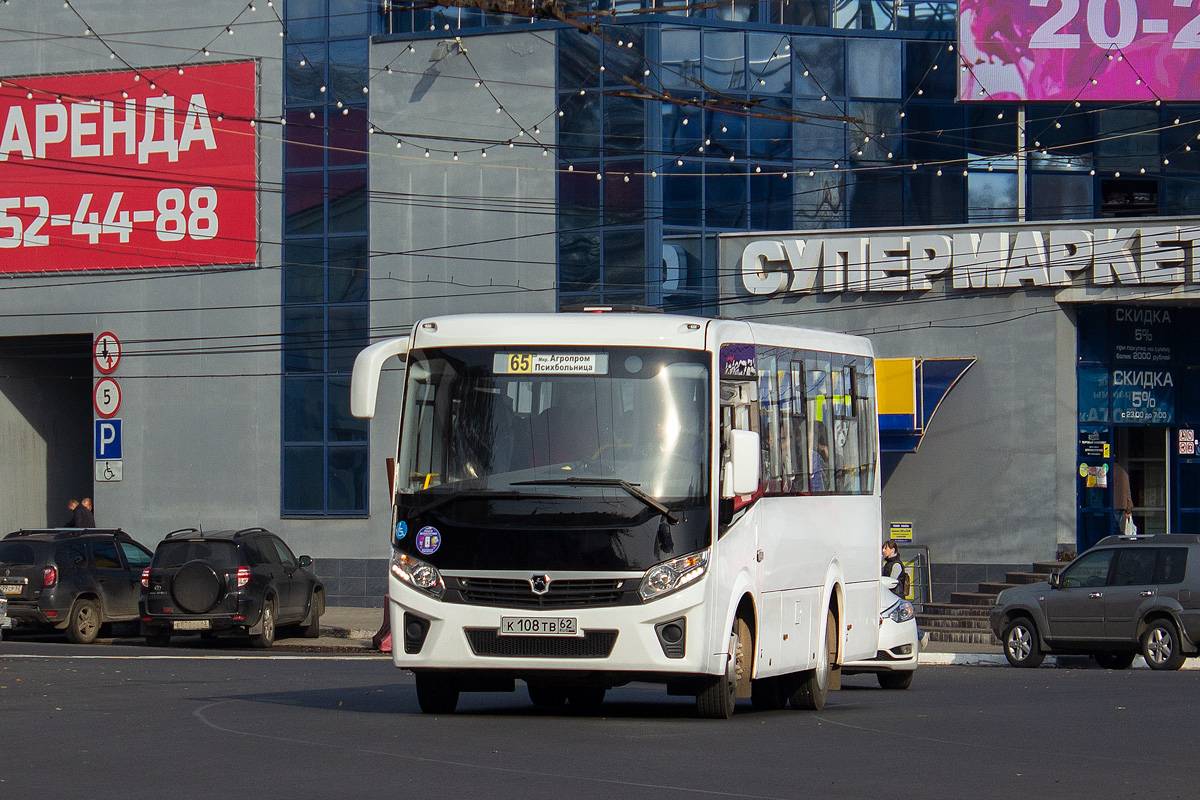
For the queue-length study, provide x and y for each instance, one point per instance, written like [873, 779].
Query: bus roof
[621, 328]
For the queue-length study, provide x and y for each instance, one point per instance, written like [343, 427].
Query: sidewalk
[343, 630]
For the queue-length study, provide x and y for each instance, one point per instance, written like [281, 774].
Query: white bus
[581, 500]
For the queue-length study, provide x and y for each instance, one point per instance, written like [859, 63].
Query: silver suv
[1125, 596]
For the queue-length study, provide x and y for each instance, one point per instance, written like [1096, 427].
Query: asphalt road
[132, 722]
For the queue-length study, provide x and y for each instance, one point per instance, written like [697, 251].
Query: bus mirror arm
[364, 381]
[744, 456]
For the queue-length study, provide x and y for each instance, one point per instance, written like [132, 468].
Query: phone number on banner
[177, 214]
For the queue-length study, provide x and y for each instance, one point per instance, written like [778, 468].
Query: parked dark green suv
[1125, 596]
[73, 579]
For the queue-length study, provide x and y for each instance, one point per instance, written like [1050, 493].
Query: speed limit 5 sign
[106, 397]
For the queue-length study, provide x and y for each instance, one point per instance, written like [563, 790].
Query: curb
[1051, 662]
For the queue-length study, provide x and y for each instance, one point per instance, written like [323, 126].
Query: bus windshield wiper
[456, 494]
[631, 488]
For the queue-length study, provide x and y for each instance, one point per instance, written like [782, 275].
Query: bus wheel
[814, 684]
[717, 699]
[437, 693]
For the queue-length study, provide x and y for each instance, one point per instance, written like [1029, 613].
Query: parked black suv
[213, 582]
[1125, 596]
[72, 578]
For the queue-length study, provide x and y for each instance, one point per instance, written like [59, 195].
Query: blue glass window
[325, 249]
[724, 60]
[303, 271]
[725, 195]
[306, 20]
[683, 193]
[873, 67]
[304, 399]
[680, 58]
[770, 63]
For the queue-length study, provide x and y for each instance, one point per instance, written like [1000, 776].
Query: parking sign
[108, 439]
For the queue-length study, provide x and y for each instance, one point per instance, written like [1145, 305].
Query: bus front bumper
[667, 636]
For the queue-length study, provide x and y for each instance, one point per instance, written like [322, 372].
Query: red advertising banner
[120, 170]
[1085, 50]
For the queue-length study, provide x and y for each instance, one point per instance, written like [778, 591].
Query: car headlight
[664, 578]
[417, 574]
[901, 612]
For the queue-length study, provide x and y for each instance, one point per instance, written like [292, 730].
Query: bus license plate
[191, 624]
[539, 626]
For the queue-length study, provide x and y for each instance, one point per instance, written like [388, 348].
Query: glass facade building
[680, 122]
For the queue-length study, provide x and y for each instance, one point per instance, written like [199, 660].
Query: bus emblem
[540, 584]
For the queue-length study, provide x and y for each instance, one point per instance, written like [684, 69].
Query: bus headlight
[417, 574]
[670, 575]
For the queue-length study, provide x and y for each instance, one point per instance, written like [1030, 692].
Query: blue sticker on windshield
[428, 541]
[401, 530]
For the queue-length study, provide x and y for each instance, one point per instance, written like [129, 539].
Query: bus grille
[517, 593]
[593, 644]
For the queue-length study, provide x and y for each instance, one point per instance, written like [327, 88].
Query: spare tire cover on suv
[196, 587]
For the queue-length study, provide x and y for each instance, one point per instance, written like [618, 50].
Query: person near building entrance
[85, 516]
[72, 509]
[1123, 524]
[893, 567]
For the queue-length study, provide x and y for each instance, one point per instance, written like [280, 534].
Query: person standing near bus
[893, 567]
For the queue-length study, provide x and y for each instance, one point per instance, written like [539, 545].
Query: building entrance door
[1187, 495]
[45, 428]
[1141, 460]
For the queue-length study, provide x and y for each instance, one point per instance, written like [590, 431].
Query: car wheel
[316, 609]
[84, 624]
[1160, 645]
[896, 680]
[1020, 641]
[544, 696]
[814, 684]
[1115, 660]
[267, 637]
[718, 697]
[437, 693]
[158, 639]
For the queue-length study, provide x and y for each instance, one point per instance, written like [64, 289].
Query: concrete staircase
[965, 618]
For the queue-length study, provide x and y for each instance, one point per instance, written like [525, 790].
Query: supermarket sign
[969, 258]
[126, 170]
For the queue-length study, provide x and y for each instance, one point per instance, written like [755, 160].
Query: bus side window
[770, 425]
[739, 411]
[819, 417]
[864, 399]
[798, 448]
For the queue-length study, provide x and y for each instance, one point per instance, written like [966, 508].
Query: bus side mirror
[364, 380]
[744, 458]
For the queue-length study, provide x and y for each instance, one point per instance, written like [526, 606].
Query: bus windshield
[556, 421]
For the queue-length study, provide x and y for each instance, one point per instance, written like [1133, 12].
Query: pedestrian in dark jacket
[85, 517]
